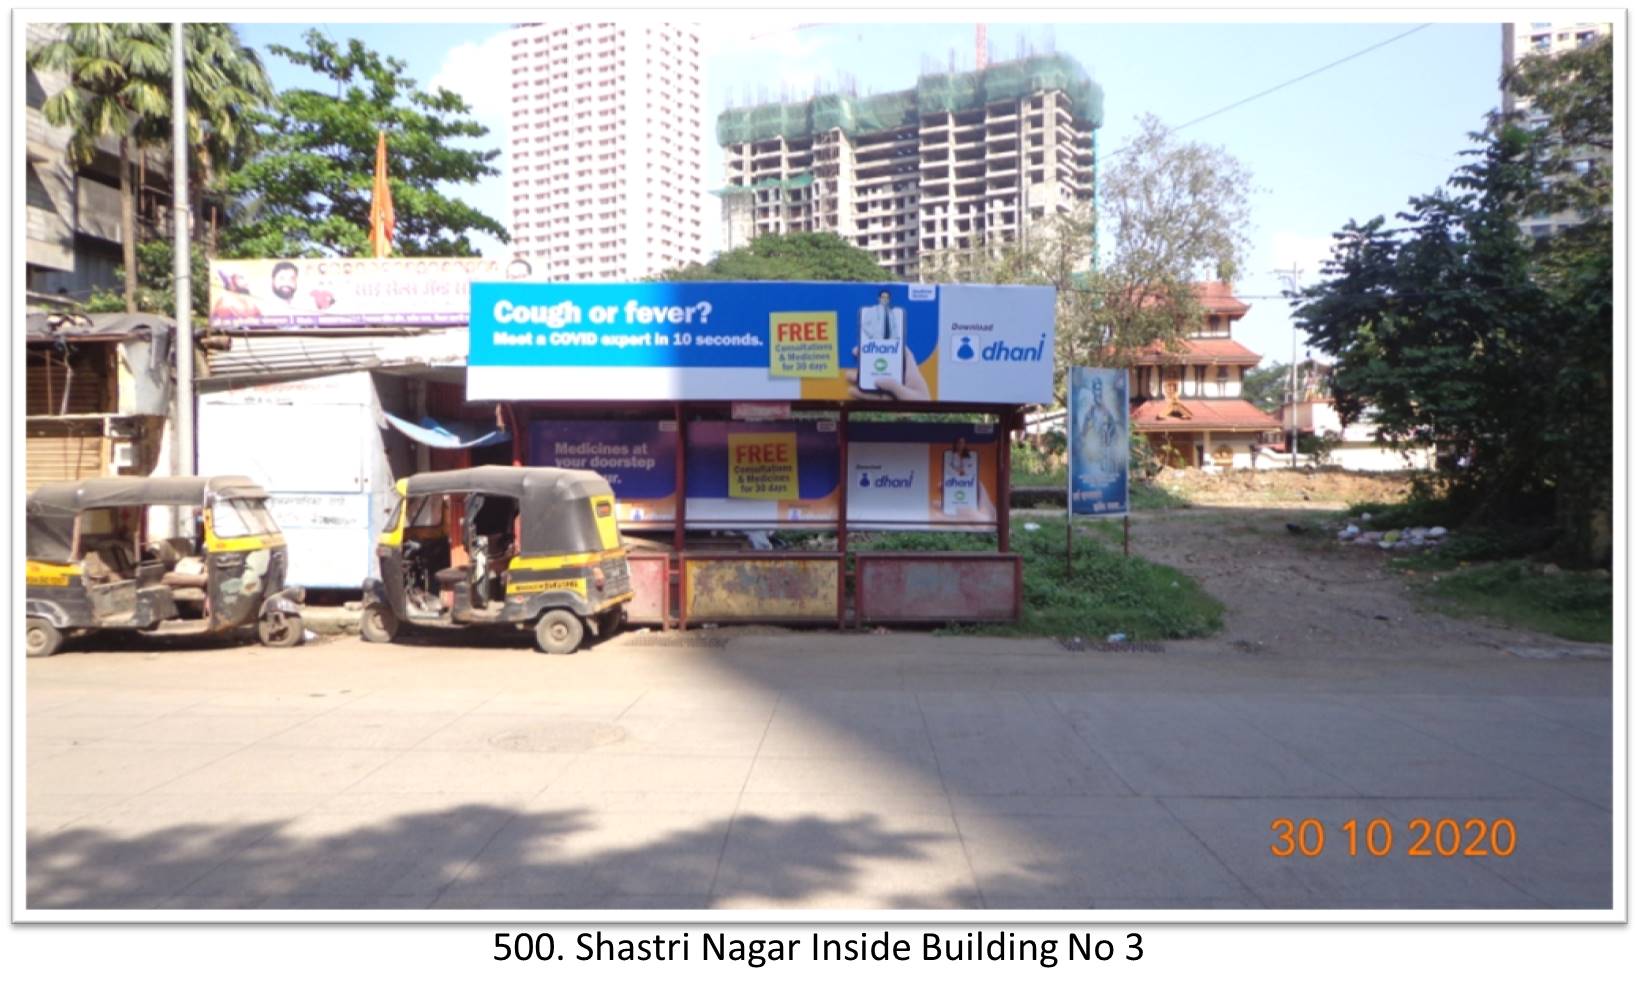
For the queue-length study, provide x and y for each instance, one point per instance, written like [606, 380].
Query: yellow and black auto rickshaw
[519, 546]
[91, 564]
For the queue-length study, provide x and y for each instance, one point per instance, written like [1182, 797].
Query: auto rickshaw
[520, 546]
[91, 564]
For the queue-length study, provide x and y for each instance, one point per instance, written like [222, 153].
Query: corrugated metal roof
[265, 355]
[113, 326]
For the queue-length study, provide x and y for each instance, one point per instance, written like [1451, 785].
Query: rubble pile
[1400, 540]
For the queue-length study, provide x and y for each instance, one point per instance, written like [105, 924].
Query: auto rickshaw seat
[183, 576]
[449, 577]
[109, 561]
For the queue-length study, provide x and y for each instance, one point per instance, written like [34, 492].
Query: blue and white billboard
[774, 341]
[1099, 442]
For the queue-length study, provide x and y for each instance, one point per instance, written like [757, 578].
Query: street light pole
[182, 280]
[1293, 281]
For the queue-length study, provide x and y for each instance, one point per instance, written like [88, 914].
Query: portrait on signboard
[1099, 444]
[886, 369]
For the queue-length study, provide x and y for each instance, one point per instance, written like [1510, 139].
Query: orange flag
[382, 219]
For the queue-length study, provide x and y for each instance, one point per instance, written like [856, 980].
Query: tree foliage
[796, 256]
[1266, 385]
[119, 86]
[1176, 214]
[1459, 331]
[307, 193]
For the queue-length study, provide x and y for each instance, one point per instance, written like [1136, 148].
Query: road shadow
[463, 856]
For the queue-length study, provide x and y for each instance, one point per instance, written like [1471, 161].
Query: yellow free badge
[802, 344]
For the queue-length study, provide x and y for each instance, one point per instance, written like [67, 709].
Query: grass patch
[1147, 496]
[1494, 574]
[1573, 605]
[1105, 593]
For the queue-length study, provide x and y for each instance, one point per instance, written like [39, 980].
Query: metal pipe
[182, 463]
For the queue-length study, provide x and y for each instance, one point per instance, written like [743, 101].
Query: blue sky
[1352, 142]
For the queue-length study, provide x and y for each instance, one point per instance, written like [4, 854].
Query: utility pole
[182, 439]
[1293, 284]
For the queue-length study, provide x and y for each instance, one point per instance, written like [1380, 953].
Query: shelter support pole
[1003, 486]
[841, 519]
[679, 531]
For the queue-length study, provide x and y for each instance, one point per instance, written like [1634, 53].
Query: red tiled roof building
[1186, 398]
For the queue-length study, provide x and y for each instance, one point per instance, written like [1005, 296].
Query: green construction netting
[932, 94]
[799, 180]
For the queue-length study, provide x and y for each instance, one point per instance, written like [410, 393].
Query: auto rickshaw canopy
[52, 508]
[552, 501]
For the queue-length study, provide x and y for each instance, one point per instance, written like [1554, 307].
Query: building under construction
[960, 160]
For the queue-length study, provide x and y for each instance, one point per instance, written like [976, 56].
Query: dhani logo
[875, 477]
[969, 347]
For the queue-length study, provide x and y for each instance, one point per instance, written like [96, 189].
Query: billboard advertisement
[269, 294]
[1099, 442]
[767, 341]
[921, 475]
[785, 473]
[638, 458]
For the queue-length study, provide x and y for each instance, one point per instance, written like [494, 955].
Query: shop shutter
[62, 457]
[88, 389]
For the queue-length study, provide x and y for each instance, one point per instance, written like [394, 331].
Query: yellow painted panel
[761, 589]
[41, 575]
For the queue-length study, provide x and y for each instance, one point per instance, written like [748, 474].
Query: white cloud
[478, 72]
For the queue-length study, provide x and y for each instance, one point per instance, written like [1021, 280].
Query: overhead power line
[1281, 86]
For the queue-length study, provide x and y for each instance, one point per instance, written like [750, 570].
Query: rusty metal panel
[651, 586]
[896, 587]
[766, 588]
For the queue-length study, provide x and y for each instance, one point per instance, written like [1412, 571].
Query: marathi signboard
[1099, 442]
[760, 342]
[290, 294]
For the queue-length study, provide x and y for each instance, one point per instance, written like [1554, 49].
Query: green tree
[1266, 385]
[1175, 212]
[156, 283]
[1459, 331]
[119, 83]
[308, 191]
[114, 90]
[796, 256]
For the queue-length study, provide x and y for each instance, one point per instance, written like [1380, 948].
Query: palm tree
[119, 83]
[226, 86]
[111, 91]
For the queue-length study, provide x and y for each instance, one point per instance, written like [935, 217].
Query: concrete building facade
[959, 161]
[605, 161]
[72, 245]
[1186, 398]
[1520, 39]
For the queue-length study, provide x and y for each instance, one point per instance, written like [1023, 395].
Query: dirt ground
[1278, 487]
[1304, 594]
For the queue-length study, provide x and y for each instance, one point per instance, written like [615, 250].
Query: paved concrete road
[805, 770]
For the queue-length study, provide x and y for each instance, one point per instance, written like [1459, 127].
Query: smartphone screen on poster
[881, 345]
[960, 482]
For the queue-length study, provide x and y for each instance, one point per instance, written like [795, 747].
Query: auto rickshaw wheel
[42, 638]
[379, 624]
[279, 629]
[559, 632]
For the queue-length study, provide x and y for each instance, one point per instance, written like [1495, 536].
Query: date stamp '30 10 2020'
[1420, 838]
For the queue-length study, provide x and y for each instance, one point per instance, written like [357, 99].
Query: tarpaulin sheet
[449, 435]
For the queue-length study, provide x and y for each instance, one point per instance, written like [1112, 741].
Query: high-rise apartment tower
[960, 160]
[605, 156]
